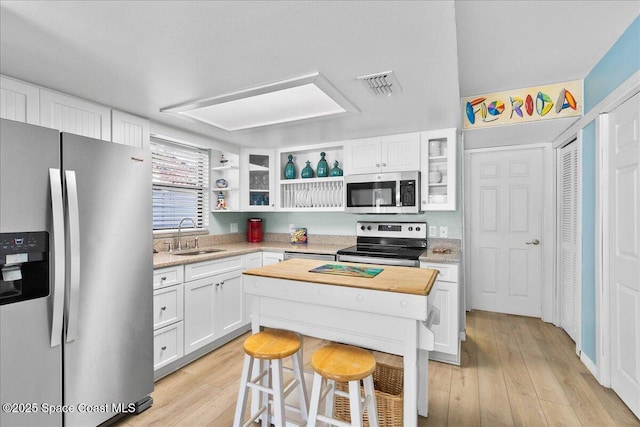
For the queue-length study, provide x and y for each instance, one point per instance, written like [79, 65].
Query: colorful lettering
[516, 106]
[543, 104]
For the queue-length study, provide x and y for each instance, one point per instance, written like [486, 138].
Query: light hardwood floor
[515, 371]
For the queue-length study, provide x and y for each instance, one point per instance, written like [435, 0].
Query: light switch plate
[444, 230]
[432, 231]
[233, 227]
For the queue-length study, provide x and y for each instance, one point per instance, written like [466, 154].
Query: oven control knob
[417, 228]
[410, 228]
[369, 227]
[362, 227]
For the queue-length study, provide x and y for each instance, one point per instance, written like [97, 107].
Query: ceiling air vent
[381, 83]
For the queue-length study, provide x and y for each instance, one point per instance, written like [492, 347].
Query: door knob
[534, 242]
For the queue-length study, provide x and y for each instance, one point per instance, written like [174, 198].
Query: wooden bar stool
[267, 349]
[339, 362]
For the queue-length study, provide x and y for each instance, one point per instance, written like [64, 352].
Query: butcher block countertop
[417, 281]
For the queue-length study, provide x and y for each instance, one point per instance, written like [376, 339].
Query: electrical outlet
[233, 227]
[443, 231]
[432, 231]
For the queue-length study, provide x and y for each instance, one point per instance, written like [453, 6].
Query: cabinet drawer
[199, 270]
[169, 276]
[253, 260]
[447, 272]
[168, 306]
[168, 345]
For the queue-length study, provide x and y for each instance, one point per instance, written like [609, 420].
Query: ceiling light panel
[290, 100]
[287, 105]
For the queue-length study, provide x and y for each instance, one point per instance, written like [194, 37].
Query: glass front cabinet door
[438, 170]
[258, 180]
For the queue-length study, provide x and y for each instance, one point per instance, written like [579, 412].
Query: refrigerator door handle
[73, 230]
[57, 213]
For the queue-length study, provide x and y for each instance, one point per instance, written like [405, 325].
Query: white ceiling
[142, 56]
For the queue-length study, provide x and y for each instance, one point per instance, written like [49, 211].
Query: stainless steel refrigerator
[76, 333]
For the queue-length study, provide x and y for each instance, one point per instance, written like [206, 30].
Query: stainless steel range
[387, 243]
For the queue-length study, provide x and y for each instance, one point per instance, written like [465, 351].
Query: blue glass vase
[290, 169]
[323, 167]
[307, 172]
[335, 171]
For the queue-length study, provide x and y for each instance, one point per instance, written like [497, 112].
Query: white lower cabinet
[230, 303]
[168, 306]
[168, 345]
[168, 315]
[214, 303]
[253, 260]
[271, 257]
[169, 276]
[196, 304]
[446, 297]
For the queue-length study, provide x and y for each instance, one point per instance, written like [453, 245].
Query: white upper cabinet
[401, 153]
[257, 181]
[438, 170]
[73, 115]
[19, 101]
[392, 153]
[362, 156]
[129, 129]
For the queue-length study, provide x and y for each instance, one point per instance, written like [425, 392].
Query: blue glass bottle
[335, 171]
[307, 172]
[290, 169]
[323, 167]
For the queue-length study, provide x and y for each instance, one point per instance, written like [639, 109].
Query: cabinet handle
[217, 284]
[377, 165]
[163, 308]
[384, 165]
[222, 283]
[163, 278]
[424, 202]
[163, 348]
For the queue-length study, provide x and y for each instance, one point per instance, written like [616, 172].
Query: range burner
[387, 243]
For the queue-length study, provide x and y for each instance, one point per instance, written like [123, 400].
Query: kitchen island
[389, 312]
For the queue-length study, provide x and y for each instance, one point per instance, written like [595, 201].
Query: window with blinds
[180, 185]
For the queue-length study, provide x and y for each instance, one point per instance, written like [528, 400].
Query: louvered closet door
[568, 226]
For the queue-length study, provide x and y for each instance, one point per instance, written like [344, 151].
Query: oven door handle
[379, 261]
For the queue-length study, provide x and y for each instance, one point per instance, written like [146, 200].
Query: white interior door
[624, 251]
[567, 206]
[505, 209]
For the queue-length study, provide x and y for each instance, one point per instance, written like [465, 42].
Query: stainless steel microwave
[383, 193]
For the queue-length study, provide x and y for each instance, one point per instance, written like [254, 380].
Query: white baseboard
[589, 364]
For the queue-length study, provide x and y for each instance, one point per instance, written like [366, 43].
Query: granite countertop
[450, 258]
[167, 259]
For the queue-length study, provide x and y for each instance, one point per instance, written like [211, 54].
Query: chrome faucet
[180, 230]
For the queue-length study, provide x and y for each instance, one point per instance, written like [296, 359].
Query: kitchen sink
[197, 251]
